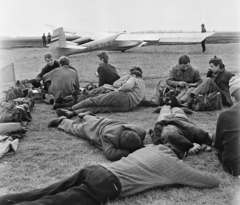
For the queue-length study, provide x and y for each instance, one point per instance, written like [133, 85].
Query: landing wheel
[122, 51]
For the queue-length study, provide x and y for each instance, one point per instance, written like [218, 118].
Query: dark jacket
[222, 81]
[105, 134]
[189, 130]
[227, 140]
[107, 74]
[176, 74]
[47, 68]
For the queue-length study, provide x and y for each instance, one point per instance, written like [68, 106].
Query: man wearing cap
[183, 76]
[125, 98]
[106, 73]
[150, 167]
[227, 137]
[217, 80]
[175, 122]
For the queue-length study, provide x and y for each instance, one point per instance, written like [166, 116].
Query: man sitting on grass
[51, 65]
[116, 138]
[150, 167]
[185, 77]
[69, 101]
[217, 80]
[175, 122]
[64, 78]
[106, 73]
[125, 98]
[227, 137]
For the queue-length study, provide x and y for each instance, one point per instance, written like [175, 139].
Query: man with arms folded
[150, 167]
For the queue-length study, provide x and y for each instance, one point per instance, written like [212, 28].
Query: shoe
[81, 115]
[56, 121]
[57, 105]
[62, 112]
[58, 97]
[190, 103]
[175, 102]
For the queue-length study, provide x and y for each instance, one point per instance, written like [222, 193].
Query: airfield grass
[46, 155]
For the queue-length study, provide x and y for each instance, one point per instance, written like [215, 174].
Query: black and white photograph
[129, 102]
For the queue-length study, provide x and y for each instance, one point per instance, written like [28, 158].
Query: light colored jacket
[62, 79]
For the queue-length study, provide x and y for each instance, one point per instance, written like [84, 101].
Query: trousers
[91, 185]
[110, 102]
[206, 87]
[166, 111]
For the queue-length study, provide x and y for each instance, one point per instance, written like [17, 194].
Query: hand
[38, 79]
[182, 84]
[97, 74]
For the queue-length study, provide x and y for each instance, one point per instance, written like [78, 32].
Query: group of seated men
[138, 167]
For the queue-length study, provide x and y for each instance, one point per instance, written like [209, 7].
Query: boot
[175, 102]
[56, 121]
[58, 98]
[68, 114]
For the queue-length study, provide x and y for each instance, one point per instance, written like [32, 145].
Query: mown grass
[46, 155]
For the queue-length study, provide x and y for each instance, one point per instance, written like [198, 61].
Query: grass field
[46, 155]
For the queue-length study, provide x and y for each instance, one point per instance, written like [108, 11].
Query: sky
[29, 17]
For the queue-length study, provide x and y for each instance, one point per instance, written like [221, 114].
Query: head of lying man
[130, 140]
[179, 144]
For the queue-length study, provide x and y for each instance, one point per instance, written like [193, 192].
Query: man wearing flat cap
[217, 80]
[227, 137]
[150, 167]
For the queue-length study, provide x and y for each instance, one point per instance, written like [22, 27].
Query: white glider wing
[165, 37]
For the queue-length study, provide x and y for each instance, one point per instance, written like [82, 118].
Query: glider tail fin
[58, 42]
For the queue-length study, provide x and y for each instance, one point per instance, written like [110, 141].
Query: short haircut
[130, 140]
[184, 59]
[48, 55]
[136, 68]
[64, 60]
[137, 73]
[103, 55]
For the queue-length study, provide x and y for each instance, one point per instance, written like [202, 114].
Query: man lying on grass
[147, 168]
[174, 121]
[116, 138]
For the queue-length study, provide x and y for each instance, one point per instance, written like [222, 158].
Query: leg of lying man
[179, 113]
[110, 102]
[207, 86]
[165, 111]
[71, 127]
[91, 185]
